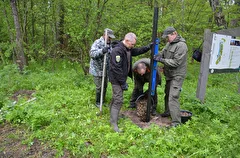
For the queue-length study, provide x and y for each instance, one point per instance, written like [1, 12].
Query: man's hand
[125, 86]
[105, 50]
[150, 45]
[158, 58]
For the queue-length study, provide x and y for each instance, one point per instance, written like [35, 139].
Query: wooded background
[38, 30]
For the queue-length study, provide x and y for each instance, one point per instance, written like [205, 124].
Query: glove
[105, 50]
[158, 58]
[124, 86]
[150, 45]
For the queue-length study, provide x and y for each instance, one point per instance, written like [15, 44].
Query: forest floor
[12, 137]
[12, 146]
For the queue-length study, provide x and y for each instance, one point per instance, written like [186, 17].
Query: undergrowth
[63, 113]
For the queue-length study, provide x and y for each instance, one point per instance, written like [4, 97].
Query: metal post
[154, 36]
[104, 72]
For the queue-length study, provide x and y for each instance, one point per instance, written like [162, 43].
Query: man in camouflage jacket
[98, 49]
[174, 58]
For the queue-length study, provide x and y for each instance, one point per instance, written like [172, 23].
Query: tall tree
[21, 60]
[236, 21]
[60, 26]
[11, 36]
[45, 17]
[218, 13]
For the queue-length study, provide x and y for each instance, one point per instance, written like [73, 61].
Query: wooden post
[203, 76]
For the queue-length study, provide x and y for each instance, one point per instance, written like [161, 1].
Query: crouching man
[142, 74]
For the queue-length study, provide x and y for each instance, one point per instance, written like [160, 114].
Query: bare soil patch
[157, 120]
[139, 115]
[11, 145]
[12, 138]
[22, 93]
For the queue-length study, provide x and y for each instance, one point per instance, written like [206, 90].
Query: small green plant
[64, 115]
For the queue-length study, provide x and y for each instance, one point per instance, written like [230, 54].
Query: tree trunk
[33, 41]
[218, 14]
[54, 34]
[61, 25]
[99, 16]
[84, 50]
[21, 60]
[10, 32]
[25, 21]
[45, 37]
[236, 22]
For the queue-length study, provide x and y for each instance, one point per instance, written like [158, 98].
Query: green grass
[64, 115]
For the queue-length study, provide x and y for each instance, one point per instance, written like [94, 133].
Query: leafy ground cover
[58, 117]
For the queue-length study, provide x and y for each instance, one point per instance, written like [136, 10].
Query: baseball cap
[168, 31]
[109, 32]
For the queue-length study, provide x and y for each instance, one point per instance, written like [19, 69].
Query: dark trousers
[117, 97]
[98, 84]
[172, 94]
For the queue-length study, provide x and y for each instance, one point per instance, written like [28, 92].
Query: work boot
[98, 96]
[97, 105]
[114, 119]
[173, 124]
[154, 113]
[153, 110]
[121, 115]
[132, 105]
[165, 114]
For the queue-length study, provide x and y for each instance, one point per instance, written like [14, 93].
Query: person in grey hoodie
[174, 58]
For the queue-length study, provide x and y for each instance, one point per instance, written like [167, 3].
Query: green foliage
[84, 21]
[63, 114]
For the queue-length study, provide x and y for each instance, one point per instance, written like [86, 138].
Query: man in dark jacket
[120, 68]
[142, 74]
[174, 58]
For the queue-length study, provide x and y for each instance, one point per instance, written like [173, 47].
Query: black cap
[168, 31]
[109, 32]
